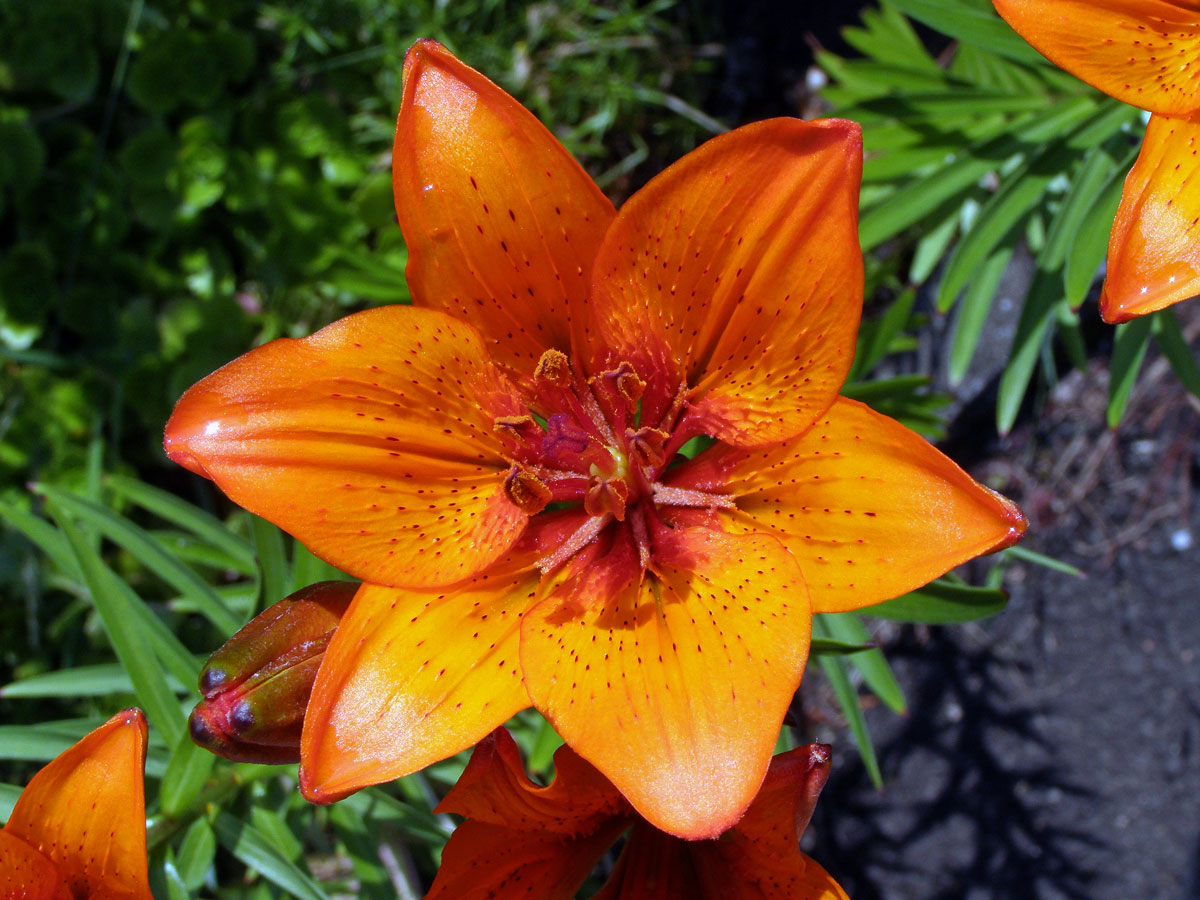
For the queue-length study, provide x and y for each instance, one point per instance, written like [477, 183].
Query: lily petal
[494, 789]
[738, 269]
[414, 676]
[1154, 248]
[673, 685]
[26, 874]
[502, 224]
[868, 508]
[760, 856]
[86, 811]
[1143, 52]
[656, 866]
[371, 441]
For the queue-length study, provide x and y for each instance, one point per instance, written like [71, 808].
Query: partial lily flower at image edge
[78, 829]
[540, 843]
[1144, 53]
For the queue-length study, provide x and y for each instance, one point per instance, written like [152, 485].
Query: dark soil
[1054, 750]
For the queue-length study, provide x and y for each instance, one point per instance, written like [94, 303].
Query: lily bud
[256, 686]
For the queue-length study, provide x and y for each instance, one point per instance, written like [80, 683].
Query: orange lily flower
[1142, 52]
[500, 462]
[78, 831]
[524, 841]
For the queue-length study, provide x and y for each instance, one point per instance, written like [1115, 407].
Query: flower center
[586, 444]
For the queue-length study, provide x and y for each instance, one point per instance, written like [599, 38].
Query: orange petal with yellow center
[414, 676]
[1144, 52]
[371, 441]
[673, 683]
[502, 224]
[1154, 248]
[26, 874]
[738, 269]
[86, 811]
[868, 508]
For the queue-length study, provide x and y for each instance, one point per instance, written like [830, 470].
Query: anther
[553, 368]
[607, 497]
[517, 429]
[526, 491]
[646, 446]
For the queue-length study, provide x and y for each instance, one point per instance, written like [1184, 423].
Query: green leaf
[257, 851]
[125, 631]
[272, 559]
[84, 681]
[45, 740]
[196, 854]
[835, 670]
[1129, 350]
[1040, 559]
[973, 311]
[820, 646]
[981, 27]
[1033, 327]
[848, 629]
[942, 603]
[875, 338]
[1089, 243]
[150, 553]
[1175, 348]
[187, 771]
[188, 517]
[922, 196]
[43, 535]
[9, 794]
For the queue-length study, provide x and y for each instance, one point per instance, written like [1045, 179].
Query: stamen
[526, 491]
[646, 446]
[553, 368]
[586, 533]
[607, 497]
[673, 496]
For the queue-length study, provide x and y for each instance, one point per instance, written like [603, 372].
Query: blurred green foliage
[979, 153]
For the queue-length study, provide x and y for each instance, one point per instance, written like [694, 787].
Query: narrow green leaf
[187, 771]
[981, 27]
[179, 512]
[820, 646]
[84, 681]
[876, 340]
[272, 559]
[254, 849]
[1033, 327]
[45, 740]
[150, 553]
[125, 632]
[544, 745]
[847, 628]
[1019, 193]
[917, 199]
[196, 854]
[1175, 348]
[43, 535]
[973, 311]
[1090, 240]
[1040, 559]
[942, 603]
[1129, 349]
[9, 794]
[835, 670]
